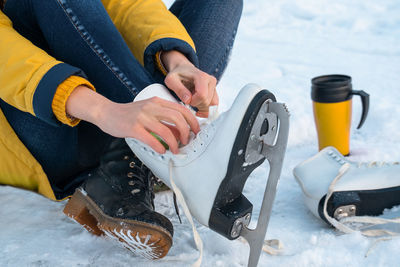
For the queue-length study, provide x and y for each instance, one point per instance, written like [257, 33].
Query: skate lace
[205, 126]
[360, 224]
[181, 200]
[376, 164]
[196, 142]
[272, 247]
[178, 196]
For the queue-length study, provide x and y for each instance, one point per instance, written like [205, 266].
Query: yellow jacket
[34, 82]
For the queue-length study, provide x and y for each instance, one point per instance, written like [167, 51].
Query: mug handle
[365, 105]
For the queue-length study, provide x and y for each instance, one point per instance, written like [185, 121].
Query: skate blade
[273, 149]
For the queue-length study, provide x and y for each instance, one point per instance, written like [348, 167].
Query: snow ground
[281, 45]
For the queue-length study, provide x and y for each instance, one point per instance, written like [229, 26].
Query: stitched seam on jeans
[89, 40]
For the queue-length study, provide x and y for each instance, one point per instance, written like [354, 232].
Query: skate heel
[262, 136]
[360, 202]
[230, 219]
[77, 209]
[231, 211]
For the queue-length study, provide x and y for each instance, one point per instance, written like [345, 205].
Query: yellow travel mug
[332, 106]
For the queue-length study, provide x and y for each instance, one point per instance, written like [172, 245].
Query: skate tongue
[213, 114]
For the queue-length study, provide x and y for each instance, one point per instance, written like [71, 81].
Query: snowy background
[281, 45]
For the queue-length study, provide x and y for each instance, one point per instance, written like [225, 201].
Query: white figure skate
[212, 169]
[352, 189]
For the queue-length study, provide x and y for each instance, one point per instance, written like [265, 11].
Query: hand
[192, 86]
[135, 119]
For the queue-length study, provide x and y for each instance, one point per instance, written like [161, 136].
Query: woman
[69, 72]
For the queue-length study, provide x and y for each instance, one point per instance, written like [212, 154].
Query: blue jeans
[81, 34]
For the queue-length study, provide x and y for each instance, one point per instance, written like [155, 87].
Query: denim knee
[212, 26]
[236, 5]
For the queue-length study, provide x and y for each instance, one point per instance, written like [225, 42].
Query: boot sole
[230, 204]
[143, 239]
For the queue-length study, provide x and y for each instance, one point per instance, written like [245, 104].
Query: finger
[215, 99]
[212, 98]
[165, 133]
[202, 114]
[173, 82]
[176, 118]
[173, 129]
[213, 86]
[201, 95]
[144, 136]
[188, 116]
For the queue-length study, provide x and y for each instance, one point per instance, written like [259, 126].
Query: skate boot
[117, 200]
[210, 172]
[336, 189]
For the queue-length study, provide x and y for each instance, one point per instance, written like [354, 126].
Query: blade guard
[275, 155]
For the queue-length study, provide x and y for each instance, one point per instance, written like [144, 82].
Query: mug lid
[331, 88]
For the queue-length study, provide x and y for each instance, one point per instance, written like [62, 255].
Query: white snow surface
[281, 45]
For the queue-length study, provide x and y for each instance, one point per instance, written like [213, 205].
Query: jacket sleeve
[149, 27]
[29, 77]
